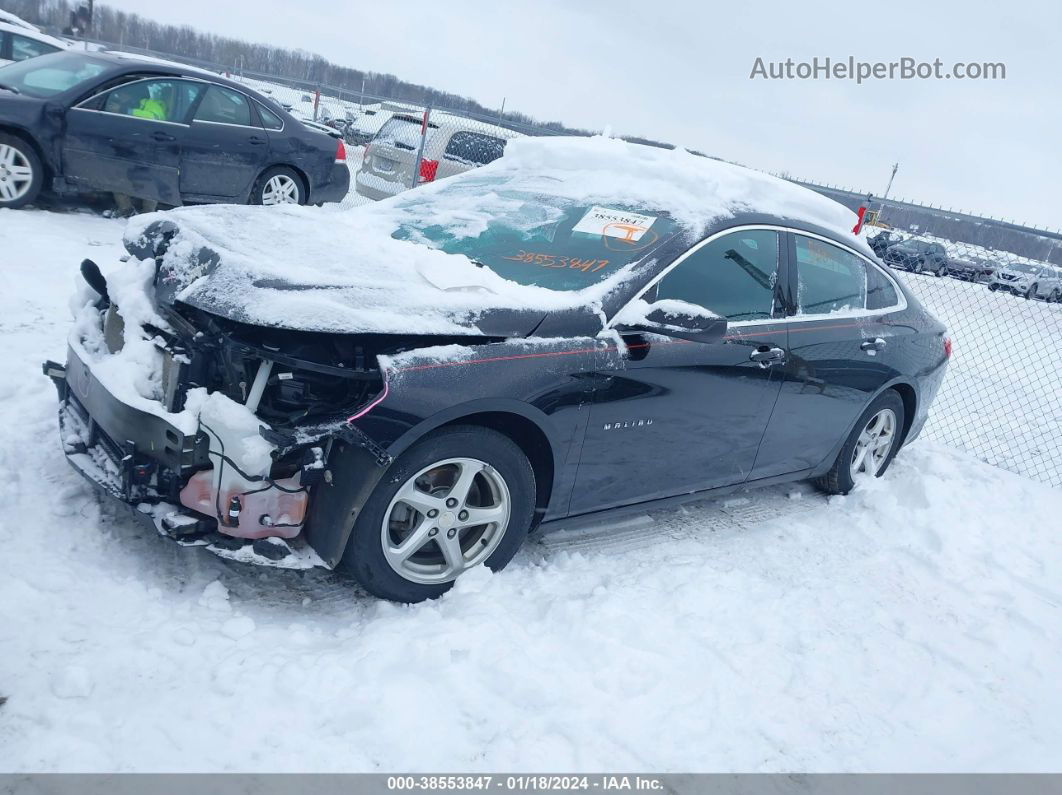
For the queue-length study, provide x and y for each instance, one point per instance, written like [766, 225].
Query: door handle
[874, 345]
[766, 355]
[254, 139]
[162, 137]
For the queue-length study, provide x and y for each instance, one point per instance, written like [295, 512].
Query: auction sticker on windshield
[607, 222]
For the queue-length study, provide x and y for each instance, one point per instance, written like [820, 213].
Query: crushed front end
[219, 433]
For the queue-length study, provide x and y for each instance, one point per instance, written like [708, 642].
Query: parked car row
[1025, 279]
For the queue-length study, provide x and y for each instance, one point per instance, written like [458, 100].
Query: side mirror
[674, 319]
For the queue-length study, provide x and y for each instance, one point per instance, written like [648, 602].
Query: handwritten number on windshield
[554, 261]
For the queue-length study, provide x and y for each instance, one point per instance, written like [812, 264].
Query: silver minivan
[452, 145]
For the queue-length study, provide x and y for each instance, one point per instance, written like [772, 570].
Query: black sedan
[918, 256]
[161, 132]
[541, 357]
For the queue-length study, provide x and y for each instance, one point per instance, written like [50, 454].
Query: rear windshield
[402, 133]
[50, 74]
[532, 238]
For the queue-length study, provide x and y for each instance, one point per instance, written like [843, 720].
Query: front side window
[23, 48]
[732, 276]
[224, 106]
[829, 279]
[475, 149]
[153, 100]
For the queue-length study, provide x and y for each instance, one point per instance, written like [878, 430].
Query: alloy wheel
[280, 189]
[16, 173]
[448, 517]
[874, 444]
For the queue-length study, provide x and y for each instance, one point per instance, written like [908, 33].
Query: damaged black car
[407, 392]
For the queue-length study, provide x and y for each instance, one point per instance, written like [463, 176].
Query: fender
[827, 461]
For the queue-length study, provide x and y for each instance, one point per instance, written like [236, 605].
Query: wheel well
[910, 405]
[529, 438]
[25, 137]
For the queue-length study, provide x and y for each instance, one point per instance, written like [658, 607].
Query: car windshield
[532, 238]
[1023, 267]
[50, 74]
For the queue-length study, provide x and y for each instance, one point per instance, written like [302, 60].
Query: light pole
[892, 176]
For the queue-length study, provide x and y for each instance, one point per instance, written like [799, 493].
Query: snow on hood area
[343, 271]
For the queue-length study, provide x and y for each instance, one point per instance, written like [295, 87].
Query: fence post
[420, 149]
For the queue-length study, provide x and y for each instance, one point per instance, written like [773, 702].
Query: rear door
[841, 353]
[225, 147]
[672, 416]
[128, 140]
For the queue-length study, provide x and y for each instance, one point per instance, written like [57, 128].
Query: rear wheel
[1030, 294]
[462, 497]
[21, 172]
[993, 287]
[870, 447]
[279, 185]
[917, 266]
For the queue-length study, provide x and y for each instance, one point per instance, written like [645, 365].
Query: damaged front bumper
[184, 484]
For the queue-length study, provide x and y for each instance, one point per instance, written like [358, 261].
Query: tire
[840, 479]
[1030, 294]
[426, 473]
[942, 271]
[21, 172]
[917, 266]
[1055, 297]
[279, 185]
[993, 287]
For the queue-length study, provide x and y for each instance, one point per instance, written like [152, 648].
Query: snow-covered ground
[916, 625]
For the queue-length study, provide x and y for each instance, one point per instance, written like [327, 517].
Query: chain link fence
[1002, 397]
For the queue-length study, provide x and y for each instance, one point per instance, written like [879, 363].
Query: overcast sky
[679, 71]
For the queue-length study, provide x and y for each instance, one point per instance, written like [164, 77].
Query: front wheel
[21, 172]
[279, 185]
[460, 498]
[942, 271]
[1030, 294]
[917, 266]
[993, 287]
[870, 447]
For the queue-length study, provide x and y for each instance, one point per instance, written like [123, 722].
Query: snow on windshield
[346, 270]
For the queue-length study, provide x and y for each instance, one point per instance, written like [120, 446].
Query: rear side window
[23, 48]
[222, 105]
[733, 276]
[402, 133]
[880, 292]
[475, 149]
[829, 279]
[270, 120]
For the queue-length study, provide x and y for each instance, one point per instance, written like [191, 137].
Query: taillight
[947, 347]
[341, 152]
[428, 170]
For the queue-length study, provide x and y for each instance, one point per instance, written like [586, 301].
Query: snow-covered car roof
[35, 34]
[8, 18]
[346, 271]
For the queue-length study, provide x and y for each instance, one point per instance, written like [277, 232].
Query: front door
[129, 139]
[224, 149]
[672, 416]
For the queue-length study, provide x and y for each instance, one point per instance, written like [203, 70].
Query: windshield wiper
[12, 89]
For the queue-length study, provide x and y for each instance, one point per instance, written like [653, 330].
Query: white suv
[1029, 281]
[17, 43]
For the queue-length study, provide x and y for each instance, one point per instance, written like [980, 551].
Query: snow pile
[344, 271]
